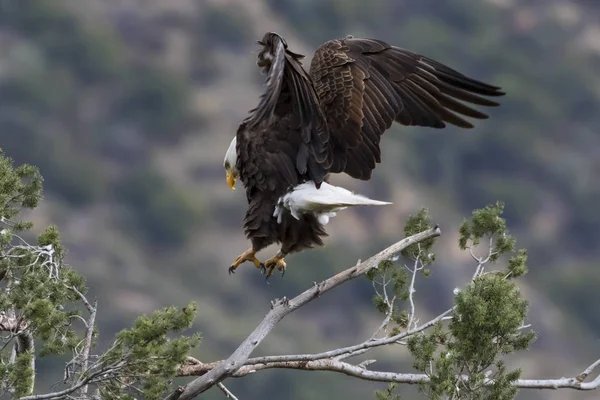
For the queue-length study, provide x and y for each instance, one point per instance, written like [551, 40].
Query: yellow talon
[248, 255]
[275, 261]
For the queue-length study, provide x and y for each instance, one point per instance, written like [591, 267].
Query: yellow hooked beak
[231, 178]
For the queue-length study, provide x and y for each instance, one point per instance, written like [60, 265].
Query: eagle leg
[276, 261]
[248, 255]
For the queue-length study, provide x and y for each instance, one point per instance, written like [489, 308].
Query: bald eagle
[308, 125]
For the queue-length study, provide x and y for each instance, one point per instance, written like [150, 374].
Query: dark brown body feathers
[331, 120]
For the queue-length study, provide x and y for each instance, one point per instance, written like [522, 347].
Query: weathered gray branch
[283, 307]
[359, 371]
[85, 355]
[198, 368]
[64, 393]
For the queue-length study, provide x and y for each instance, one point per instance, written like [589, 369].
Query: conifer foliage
[44, 312]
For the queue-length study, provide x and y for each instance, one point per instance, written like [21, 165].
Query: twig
[283, 307]
[480, 260]
[581, 377]
[65, 392]
[388, 316]
[224, 389]
[382, 327]
[176, 394]
[85, 301]
[85, 355]
[411, 289]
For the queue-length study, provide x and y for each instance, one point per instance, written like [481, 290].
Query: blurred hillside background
[128, 106]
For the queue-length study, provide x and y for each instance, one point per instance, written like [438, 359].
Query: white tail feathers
[323, 202]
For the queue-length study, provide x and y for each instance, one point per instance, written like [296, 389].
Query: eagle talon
[275, 261]
[248, 255]
[269, 273]
[267, 279]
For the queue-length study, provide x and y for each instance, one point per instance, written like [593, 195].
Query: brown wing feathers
[364, 85]
[426, 88]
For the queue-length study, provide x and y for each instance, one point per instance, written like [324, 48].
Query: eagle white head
[231, 171]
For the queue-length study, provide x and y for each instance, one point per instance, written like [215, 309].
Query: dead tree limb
[282, 307]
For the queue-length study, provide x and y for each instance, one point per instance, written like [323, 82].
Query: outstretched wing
[364, 85]
[272, 59]
[290, 98]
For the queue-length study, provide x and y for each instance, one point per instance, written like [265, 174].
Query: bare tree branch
[64, 393]
[283, 307]
[388, 317]
[481, 261]
[198, 369]
[85, 355]
[360, 371]
[411, 289]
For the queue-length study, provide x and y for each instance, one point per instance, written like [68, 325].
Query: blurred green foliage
[163, 216]
[155, 102]
[226, 27]
[76, 98]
